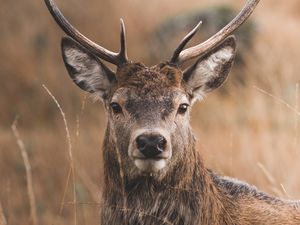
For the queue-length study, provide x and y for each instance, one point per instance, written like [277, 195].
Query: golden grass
[30, 190]
[72, 167]
[2, 216]
[248, 131]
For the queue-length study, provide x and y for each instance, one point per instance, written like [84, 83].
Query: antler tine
[123, 50]
[103, 53]
[216, 39]
[183, 42]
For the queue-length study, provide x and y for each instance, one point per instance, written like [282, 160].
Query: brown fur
[183, 192]
[188, 193]
[160, 76]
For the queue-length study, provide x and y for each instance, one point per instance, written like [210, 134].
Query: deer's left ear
[211, 70]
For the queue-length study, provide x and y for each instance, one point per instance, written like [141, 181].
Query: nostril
[161, 142]
[141, 141]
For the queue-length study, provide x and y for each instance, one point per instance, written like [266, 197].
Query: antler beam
[103, 53]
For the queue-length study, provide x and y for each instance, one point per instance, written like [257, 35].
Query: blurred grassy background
[242, 130]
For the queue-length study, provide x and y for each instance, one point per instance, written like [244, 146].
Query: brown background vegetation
[246, 130]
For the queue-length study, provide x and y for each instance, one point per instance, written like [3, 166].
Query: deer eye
[183, 108]
[116, 107]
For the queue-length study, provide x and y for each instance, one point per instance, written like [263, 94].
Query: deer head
[148, 107]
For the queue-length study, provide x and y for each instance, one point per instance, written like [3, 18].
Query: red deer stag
[152, 171]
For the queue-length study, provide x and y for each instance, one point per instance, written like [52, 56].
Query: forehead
[149, 79]
[134, 94]
[158, 83]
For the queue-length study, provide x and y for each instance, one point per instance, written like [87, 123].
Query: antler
[180, 56]
[103, 53]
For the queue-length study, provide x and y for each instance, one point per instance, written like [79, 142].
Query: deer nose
[151, 145]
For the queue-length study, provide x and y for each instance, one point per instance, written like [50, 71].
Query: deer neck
[188, 184]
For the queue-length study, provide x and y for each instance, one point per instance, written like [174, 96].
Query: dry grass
[250, 131]
[72, 167]
[30, 189]
[2, 216]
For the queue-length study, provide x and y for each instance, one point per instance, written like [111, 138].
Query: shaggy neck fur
[188, 194]
[185, 195]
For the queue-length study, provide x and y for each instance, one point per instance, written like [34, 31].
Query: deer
[153, 173]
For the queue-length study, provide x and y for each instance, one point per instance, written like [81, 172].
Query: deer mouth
[150, 165]
[157, 158]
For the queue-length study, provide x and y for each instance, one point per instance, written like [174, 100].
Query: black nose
[151, 145]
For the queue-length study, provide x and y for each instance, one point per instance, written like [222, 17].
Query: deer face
[148, 107]
[148, 111]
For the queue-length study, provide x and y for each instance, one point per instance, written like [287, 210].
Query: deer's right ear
[85, 69]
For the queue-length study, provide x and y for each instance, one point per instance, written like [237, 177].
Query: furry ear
[211, 70]
[85, 69]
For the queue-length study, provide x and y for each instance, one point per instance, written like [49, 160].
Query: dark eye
[183, 108]
[116, 107]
